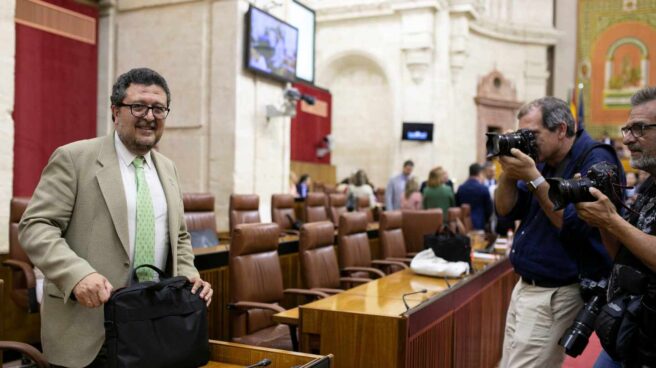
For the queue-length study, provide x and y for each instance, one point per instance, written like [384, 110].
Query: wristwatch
[535, 183]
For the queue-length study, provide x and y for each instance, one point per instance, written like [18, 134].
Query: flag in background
[580, 113]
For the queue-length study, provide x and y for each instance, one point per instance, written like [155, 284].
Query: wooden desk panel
[368, 326]
[227, 355]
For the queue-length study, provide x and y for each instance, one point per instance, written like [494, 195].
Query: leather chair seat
[275, 337]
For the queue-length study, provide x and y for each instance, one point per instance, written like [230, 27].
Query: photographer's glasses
[637, 129]
[140, 111]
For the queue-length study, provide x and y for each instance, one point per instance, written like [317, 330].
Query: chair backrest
[391, 234]
[416, 224]
[465, 217]
[380, 195]
[255, 274]
[317, 255]
[244, 209]
[282, 209]
[336, 206]
[353, 248]
[315, 207]
[199, 211]
[364, 205]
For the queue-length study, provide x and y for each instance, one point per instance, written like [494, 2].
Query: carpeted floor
[587, 358]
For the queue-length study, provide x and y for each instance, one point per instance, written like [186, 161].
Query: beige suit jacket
[76, 224]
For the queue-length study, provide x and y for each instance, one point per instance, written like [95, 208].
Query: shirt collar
[125, 156]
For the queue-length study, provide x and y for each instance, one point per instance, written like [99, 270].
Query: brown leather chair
[418, 223]
[353, 248]
[244, 209]
[363, 205]
[315, 207]
[465, 217]
[380, 195]
[282, 212]
[23, 289]
[200, 218]
[256, 287]
[199, 211]
[318, 260]
[336, 206]
[391, 237]
[25, 350]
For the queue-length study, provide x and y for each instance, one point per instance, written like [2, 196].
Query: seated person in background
[412, 198]
[303, 185]
[292, 184]
[474, 193]
[360, 187]
[631, 192]
[437, 194]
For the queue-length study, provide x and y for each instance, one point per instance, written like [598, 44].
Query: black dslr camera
[603, 176]
[501, 144]
[576, 337]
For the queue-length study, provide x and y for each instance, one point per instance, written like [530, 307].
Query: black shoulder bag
[450, 246]
[156, 325]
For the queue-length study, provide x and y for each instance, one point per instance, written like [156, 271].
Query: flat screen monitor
[303, 18]
[271, 45]
[421, 132]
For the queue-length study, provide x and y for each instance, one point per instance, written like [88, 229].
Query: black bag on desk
[449, 246]
[156, 324]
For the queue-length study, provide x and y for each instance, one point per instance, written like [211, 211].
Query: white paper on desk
[485, 256]
[426, 263]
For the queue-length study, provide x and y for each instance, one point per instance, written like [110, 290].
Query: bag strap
[135, 279]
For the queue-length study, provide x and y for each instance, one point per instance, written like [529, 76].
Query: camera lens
[563, 192]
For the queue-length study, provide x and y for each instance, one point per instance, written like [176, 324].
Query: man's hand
[598, 213]
[93, 290]
[519, 166]
[206, 291]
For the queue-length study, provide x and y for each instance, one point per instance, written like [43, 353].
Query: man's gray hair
[554, 112]
[644, 95]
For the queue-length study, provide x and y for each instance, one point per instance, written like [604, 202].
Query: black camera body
[501, 144]
[576, 337]
[603, 176]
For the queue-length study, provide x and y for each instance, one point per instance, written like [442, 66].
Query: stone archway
[496, 107]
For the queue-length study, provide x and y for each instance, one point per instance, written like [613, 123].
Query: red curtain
[311, 125]
[55, 96]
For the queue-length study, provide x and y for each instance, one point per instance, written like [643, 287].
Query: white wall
[7, 62]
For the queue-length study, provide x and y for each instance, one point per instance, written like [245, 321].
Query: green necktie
[144, 250]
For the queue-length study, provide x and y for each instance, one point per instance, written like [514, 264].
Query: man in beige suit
[84, 227]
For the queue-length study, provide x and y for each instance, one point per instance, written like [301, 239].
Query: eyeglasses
[637, 129]
[140, 111]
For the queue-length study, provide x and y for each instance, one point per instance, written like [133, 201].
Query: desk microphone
[407, 307]
[261, 363]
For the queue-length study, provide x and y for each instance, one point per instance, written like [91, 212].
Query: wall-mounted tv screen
[422, 132]
[303, 18]
[271, 45]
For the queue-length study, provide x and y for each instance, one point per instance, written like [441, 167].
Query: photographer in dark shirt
[631, 240]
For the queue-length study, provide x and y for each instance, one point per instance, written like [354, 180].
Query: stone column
[7, 63]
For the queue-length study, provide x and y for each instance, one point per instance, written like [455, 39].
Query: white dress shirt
[160, 208]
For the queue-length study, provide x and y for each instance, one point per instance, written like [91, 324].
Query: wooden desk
[368, 326]
[288, 317]
[228, 355]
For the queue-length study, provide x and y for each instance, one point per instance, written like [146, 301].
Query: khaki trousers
[537, 318]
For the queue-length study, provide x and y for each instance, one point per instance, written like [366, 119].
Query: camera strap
[584, 155]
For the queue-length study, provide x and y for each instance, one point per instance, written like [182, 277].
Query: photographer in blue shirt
[552, 250]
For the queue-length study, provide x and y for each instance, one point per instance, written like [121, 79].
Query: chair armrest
[27, 270]
[26, 349]
[388, 263]
[398, 259]
[328, 290]
[290, 232]
[412, 254]
[350, 282]
[364, 269]
[255, 305]
[306, 292]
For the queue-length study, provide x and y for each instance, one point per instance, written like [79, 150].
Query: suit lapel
[111, 185]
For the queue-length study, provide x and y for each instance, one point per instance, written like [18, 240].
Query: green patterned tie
[144, 250]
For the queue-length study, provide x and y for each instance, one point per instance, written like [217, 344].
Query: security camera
[291, 96]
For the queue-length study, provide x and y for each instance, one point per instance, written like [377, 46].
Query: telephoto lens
[577, 335]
